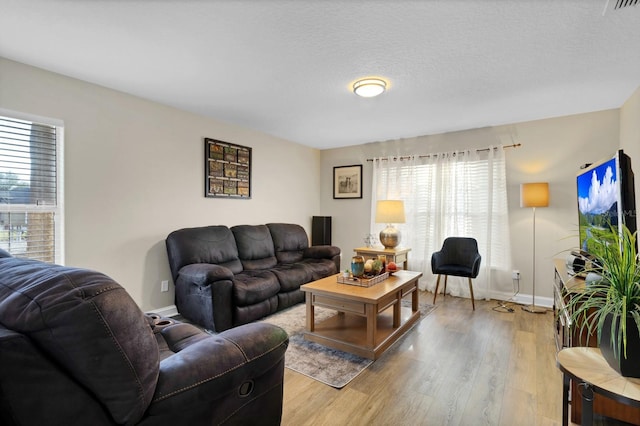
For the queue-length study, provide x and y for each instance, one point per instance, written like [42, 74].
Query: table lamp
[389, 212]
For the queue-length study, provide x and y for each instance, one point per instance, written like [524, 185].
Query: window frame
[57, 209]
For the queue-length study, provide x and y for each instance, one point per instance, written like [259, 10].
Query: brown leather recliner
[76, 350]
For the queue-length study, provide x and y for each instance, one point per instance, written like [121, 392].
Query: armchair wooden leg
[473, 303]
[444, 292]
[435, 293]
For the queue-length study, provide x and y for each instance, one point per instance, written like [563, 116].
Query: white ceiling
[285, 67]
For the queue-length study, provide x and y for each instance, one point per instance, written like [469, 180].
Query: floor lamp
[534, 195]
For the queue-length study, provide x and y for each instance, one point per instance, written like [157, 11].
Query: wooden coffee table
[368, 319]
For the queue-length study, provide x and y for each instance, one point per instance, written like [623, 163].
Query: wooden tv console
[568, 335]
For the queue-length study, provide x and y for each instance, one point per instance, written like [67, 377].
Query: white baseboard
[167, 311]
[523, 299]
[546, 302]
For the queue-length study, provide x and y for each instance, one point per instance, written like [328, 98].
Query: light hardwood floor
[456, 367]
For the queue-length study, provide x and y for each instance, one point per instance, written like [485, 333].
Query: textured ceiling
[285, 67]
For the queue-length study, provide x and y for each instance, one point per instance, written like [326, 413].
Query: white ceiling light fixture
[369, 87]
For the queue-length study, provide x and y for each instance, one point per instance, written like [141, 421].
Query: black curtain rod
[406, 157]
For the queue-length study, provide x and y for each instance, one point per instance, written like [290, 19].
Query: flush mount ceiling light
[369, 87]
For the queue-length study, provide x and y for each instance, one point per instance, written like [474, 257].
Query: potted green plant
[610, 305]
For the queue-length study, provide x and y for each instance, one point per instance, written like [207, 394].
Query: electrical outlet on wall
[515, 274]
[164, 286]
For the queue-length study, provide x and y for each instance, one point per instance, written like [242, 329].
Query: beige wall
[552, 150]
[630, 136]
[134, 173]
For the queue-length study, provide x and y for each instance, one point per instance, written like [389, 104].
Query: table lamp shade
[390, 211]
[534, 194]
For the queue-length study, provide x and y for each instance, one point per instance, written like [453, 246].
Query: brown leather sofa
[76, 350]
[225, 277]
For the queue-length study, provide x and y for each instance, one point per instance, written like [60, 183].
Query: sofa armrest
[204, 273]
[475, 269]
[437, 259]
[321, 252]
[34, 390]
[222, 367]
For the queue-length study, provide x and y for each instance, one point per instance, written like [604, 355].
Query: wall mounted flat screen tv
[606, 198]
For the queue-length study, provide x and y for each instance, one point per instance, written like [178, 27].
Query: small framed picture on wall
[347, 181]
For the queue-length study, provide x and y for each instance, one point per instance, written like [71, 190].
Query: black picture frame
[227, 170]
[347, 182]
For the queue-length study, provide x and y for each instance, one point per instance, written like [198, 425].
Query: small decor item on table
[370, 240]
[392, 267]
[365, 280]
[357, 266]
[346, 273]
[368, 267]
[376, 267]
[383, 259]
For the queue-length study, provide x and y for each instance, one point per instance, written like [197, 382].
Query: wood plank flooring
[456, 367]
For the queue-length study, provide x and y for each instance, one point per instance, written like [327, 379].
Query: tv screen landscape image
[606, 199]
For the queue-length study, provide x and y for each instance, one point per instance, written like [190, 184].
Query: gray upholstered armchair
[76, 350]
[459, 257]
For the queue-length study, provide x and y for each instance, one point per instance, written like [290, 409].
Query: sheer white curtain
[448, 194]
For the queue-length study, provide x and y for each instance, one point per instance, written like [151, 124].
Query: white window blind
[30, 213]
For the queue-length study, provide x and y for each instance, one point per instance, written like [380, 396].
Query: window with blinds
[29, 208]
[458, 197]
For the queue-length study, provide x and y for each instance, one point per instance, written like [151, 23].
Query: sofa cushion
[289, 240]
[89, 325]
[290, 298]
[206, 244]
[291, 276]
[249, 313]
[255, 246]
[250, 287]
[320, 268]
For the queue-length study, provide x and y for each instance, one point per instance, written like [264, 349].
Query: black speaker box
[321, 231]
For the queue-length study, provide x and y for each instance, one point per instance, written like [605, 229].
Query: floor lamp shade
[389, 212]
[534, 195]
